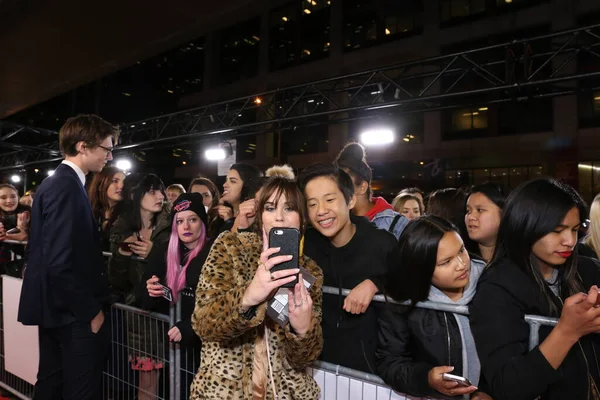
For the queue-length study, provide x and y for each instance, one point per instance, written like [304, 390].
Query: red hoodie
[380, 205]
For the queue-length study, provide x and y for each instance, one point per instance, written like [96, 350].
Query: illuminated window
[299, 32]
[470, 119]
[369, 22]
[455, 9]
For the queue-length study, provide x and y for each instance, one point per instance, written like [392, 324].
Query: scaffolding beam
[504, 72]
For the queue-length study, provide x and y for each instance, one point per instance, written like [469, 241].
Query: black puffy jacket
[411, 343]
[505, 294]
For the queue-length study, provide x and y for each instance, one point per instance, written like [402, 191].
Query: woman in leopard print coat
[245, 354]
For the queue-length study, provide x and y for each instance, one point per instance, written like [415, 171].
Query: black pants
[72, 358]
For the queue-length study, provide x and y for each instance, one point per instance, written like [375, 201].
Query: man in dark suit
[65, 289]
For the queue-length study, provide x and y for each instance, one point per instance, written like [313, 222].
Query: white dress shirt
[77, 170]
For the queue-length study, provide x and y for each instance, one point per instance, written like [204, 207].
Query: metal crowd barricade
[179, 364]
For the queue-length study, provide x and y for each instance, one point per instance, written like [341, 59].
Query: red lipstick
[564, 254]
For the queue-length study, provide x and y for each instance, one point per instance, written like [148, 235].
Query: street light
[377, 137]
[15, 179]
[50, 172]
[124, 165]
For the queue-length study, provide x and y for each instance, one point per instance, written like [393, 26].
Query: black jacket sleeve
[394, 360]
[511, 371]
[157, 265]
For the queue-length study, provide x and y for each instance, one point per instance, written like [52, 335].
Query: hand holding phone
[462, 382]
[288, 241]
[441, 380]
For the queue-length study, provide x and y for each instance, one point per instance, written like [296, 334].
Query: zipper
[587, 367]
[448, 337]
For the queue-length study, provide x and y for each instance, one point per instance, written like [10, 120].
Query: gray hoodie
[471, 366]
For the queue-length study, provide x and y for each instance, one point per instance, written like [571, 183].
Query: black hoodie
[505, 294]
[350, 340]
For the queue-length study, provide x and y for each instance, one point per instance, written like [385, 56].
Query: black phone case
[288, 239]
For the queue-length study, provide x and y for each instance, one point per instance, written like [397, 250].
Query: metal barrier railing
[183, 363]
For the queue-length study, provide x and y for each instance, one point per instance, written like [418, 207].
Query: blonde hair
[282, 171]
[593, 237]
[398, 202]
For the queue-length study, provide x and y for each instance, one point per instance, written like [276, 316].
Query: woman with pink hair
[173, 272]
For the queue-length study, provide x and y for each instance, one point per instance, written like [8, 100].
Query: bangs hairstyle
[146, 184]
[87, 128]
[415, 259]
[176, 267]
[279, 186]
[492, 191]
[398, 202]
[333, 172]
[531, 212]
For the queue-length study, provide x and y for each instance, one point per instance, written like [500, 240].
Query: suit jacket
[64, 280]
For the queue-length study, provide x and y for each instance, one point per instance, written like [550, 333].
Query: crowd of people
[503, 256]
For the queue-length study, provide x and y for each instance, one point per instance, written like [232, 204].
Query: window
[457, 9]
[368, 22]
[527, 116]
[299, 32]
[284, 30]
[315, 29]
[461, 122]
[305, 140]
[240, 51]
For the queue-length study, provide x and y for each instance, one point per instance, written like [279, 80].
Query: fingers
[265, 240]
[284, 274]
[462, 390]
[575, 299]
[271, 262]
[268, 252]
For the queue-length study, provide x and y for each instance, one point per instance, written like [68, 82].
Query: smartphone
[288, 239]
[125, 246]
[167, 294]
[13, 230]
[464, 382]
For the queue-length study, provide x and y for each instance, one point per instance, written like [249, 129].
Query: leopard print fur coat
[228, 338]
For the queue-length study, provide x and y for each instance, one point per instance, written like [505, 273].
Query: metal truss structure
[542, 66]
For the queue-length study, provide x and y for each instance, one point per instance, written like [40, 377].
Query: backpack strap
[394, 222]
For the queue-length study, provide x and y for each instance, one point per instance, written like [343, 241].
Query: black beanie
[190, 202]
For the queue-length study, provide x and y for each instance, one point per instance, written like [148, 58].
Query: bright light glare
[214, 154]
[15, 179]
[51, 172]
[377, 137]
[124, 165]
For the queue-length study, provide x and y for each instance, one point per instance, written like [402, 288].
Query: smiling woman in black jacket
[536, 270]
[416, 346]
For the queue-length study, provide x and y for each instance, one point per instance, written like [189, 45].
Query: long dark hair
[415, 259]
[531, 212]
[249, 174]
[98, 196]
[136, 188]
[354, 158]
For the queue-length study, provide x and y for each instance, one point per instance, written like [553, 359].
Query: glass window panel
[517, 176]
[499, 176]
[481, 176]
[451, 178]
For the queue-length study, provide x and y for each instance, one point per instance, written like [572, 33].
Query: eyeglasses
[108, 150]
